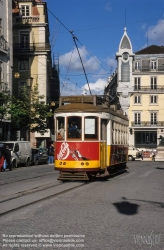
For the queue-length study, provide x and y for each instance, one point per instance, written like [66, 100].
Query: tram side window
[91, 128]
[74, 127]
[60, 128]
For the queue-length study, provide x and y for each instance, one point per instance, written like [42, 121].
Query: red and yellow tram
[90, 139]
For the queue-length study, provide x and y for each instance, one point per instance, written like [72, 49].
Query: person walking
[51, 154]
[8, 158]
[2, 157]
[142, 154]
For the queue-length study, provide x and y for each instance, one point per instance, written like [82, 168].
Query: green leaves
[29, 111]
[4, 103]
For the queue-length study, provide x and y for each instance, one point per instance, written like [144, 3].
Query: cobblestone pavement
[124, 212]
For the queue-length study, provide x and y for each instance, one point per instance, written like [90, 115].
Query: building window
[153, 99]
[137, 118]
[137, 84]
[153, 118]
[153, 64]
[25, 10]
[153, 83]
[137, 99]
[24, 64]
[24, 39]
[145, 138]
[125, 72]
[137, 65]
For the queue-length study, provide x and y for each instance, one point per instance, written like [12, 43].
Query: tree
[4, 102]
[29, 111]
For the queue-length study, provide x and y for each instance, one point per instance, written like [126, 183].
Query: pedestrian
[8, 158]
[153, 156]
[51, 154]
[142, 154]
[2, 158]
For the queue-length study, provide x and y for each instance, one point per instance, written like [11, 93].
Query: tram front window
[60, 128]
[91, 128]
[74, 127]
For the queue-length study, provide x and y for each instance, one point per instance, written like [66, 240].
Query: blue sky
[99, 26]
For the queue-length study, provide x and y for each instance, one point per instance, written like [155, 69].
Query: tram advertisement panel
[77, 151]
[118, 154]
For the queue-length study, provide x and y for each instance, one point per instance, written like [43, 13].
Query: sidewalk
[144, 159]
[148, 159]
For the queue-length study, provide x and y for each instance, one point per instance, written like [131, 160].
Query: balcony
[148, 124]
[3, 45]
[26, 19]
[148, 69]
[149, 89]
[30, 47]
[25, 1]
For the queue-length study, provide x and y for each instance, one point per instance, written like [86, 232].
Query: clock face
[125, 56]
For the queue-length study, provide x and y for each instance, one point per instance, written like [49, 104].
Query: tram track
[36, 195]
[29, 191]
[13, 179]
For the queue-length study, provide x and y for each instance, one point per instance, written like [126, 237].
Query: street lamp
[29, 81]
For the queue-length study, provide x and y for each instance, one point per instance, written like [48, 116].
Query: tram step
[73, 176]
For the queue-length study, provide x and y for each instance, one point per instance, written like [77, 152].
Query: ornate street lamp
[29, 81]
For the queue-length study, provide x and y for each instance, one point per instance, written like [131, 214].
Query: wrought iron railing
[3, 43]
[148, 68]
[30, 47]
[148, 88]
[147, 124]
[27, 19]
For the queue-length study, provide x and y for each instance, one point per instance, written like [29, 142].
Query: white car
[133, 153]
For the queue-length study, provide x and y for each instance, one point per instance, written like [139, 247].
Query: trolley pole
[75, 38]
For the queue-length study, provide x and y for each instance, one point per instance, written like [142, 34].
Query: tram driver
[73, 131]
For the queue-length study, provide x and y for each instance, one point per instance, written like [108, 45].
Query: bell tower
[124, 58]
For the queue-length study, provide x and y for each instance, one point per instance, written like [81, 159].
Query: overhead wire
[68, 67]
[75, 39]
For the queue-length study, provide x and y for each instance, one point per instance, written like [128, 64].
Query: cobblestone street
[115, 214]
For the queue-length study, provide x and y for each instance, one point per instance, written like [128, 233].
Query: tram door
[103, 144]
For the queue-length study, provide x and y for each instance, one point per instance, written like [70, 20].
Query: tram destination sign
[78, 99]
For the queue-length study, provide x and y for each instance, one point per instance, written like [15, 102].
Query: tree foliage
[4, 103]
[29, 111]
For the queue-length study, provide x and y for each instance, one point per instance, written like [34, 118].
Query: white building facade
[137, 89]
[6, 58]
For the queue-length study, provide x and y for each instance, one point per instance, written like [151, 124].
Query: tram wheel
[91, 177]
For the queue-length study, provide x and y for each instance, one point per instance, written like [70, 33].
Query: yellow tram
[90, 139]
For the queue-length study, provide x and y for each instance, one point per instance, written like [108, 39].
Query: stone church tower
[124, 58]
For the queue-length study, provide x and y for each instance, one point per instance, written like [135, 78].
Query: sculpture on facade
[161, 141]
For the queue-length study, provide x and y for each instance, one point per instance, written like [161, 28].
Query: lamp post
[29, 81]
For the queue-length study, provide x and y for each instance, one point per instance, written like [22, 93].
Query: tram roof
[86, 107]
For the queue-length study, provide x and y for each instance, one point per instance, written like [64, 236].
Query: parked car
[133, 153]
[20, 152]
[39, 156]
